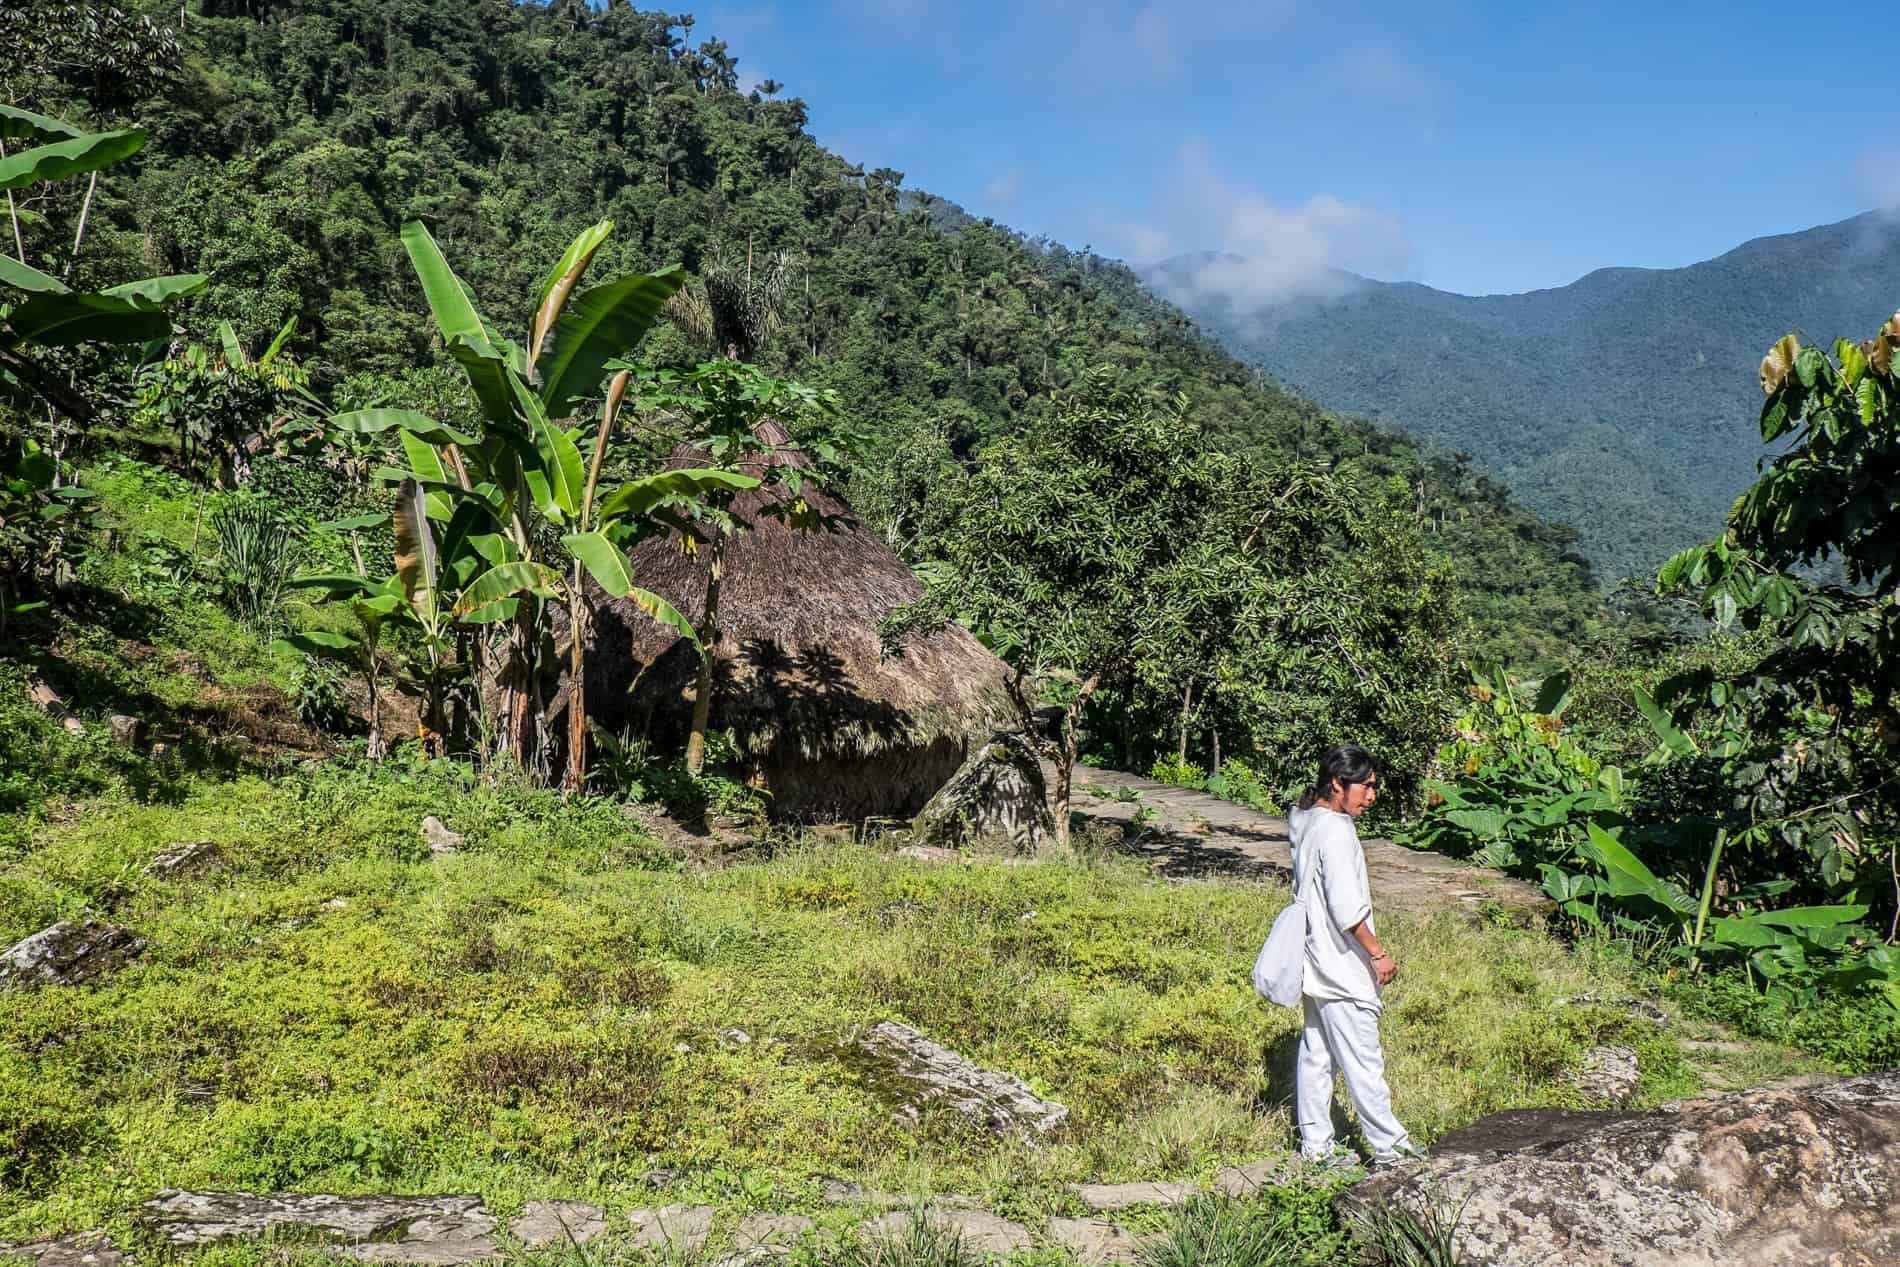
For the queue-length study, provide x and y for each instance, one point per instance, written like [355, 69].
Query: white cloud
[1264, 251]
[1155, 40]
[1001, 190]
[1876, 178]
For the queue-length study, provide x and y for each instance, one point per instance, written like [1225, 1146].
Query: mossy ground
[330, 1008]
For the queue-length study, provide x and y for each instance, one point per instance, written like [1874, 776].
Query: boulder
[1771, 1178]
[995, 1101]
[127, 729]
[67, 953]
[436, 835]
[184, 857]
[429, 1231]
[778, 1231]
[998, 792]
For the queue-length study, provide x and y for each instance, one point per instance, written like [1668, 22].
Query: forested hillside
[290, 141]
[1622, 404]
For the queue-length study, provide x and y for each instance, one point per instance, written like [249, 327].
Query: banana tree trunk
[702, 692]
[577, 685]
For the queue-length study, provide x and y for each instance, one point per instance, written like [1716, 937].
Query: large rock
[67, 953]
[1779, 1178]
[978, 1231]
[544, 1223]
[82, 1249]
[996, 1101]
[429, 1231]
[998, 793]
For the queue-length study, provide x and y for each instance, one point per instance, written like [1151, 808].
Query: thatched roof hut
[827, 723]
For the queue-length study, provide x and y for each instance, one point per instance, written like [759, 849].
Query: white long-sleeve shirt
[1329, 874]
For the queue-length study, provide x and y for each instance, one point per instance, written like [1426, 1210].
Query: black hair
[1344, 765]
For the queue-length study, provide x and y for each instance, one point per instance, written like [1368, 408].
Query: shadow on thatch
[827, 723]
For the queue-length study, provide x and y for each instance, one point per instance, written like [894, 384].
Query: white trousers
[1343, 1035]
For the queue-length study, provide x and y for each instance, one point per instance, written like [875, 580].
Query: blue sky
[1479, 148]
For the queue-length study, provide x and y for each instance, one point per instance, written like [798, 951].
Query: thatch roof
[799, 672]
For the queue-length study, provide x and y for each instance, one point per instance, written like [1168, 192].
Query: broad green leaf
[664, 612]
[471, 519]
[464, 332]
[124, 314]
[601, 323]
[23, 125]
[321, 643]
[1553, 694]
[355, 523]
[562, 473]
[507, 581]
[339, 584]
[26, 277]
[1628, 877]
[73, 157]
[1667, 734]
[1483, 823]
[552, 297]
[277, 344]
[233, 350]
[642, 496]
[425, 464]
[365, 422]
[604, 561]
[1813, 916]
[490, 613]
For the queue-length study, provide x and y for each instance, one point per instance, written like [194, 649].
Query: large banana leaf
[643, 496]
[26, 277]
[604, 561]
[463, 331]
[369, 422]
[133, 313]
[667, 614]
[341, 584]
[416, 562]
[321, 643]
[507, 581]
[601, 323]
[561, 282]
[73, 157]
[562, 475]
[1628, 877]
[23, 125]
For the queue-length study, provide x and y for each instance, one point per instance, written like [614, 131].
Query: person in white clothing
[1346, 966]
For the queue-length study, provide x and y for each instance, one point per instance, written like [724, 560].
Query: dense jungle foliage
[290, 141]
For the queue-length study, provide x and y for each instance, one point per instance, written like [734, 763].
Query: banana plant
[41, 310]
[488, 504]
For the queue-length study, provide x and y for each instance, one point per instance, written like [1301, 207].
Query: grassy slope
[331, 1009]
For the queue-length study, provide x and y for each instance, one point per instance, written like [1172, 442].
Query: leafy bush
[259, 549]
[1178, 771]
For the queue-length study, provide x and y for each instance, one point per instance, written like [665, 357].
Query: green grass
[331, 1009]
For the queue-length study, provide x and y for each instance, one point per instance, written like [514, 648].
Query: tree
[1048, 549]
[1811, 730]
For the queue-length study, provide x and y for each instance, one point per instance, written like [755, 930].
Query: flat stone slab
[427, 1230]
[1119, 1196]
[1245, 1181]
[67, 953]
[1094, 1241]
[183, 858]
[996, 1101]
[82, 1249]
[677, 1229]
[543, 1223]
[757, 1230]
[979, 1230]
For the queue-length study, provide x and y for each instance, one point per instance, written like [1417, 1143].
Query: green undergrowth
[327, 1007]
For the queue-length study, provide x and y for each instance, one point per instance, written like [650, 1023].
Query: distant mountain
[1624, 404]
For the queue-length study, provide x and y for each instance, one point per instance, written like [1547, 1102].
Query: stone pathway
[1189, 833]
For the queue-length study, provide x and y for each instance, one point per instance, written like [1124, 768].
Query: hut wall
[894, 783]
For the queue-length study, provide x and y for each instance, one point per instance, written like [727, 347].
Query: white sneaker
[1337, 1160]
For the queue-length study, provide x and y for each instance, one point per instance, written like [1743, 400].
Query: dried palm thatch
[827, 722]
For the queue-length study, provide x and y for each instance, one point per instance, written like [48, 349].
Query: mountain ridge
[1623, 404]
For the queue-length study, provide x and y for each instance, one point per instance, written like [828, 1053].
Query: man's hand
[1384, 969]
